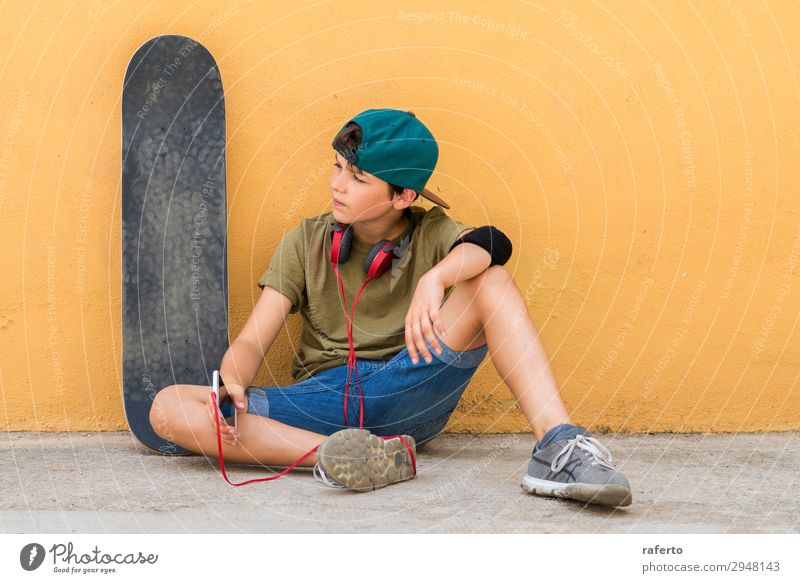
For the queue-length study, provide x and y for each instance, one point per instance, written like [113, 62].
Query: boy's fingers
[412, 353]
[237, 398]
[414, 346]
[427, 337]
[212, 415]
[227, 433]
[422, 346]
[437, 321]
[432, 339]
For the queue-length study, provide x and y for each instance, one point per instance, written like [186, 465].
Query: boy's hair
[347, 143]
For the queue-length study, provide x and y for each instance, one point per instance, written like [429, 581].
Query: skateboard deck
[174, 257]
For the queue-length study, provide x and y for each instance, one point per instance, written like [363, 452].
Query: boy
[446, 298]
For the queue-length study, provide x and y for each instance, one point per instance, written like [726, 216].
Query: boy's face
[363, 195]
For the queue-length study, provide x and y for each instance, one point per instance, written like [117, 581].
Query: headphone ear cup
[373, 254]
[379, 260]
[341, 240]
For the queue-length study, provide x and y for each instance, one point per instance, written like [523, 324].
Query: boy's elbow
[490, 239]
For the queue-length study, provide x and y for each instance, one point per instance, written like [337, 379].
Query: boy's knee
[497, 274]
[489, 283]
[163, 409]
[489, 276]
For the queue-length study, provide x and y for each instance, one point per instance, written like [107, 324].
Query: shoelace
[600, 454]
[321, 476]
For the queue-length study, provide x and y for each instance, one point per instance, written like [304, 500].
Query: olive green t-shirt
[301, 270]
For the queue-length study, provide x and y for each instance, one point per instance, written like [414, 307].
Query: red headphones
[379, 259]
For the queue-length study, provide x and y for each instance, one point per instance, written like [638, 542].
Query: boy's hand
[423, 315]
[236, 393]
[228, 433]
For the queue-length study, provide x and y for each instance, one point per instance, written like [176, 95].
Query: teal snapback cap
[395, 147]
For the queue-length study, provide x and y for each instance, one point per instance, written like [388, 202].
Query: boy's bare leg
[179, 414]
[490, 309]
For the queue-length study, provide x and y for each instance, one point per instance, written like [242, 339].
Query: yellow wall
[643, 158]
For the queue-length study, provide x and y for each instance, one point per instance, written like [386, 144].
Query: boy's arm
[244, 356]
[463, 262]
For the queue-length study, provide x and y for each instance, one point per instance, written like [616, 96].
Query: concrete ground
[104, 482]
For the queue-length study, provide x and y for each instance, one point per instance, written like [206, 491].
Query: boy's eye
[355, 176]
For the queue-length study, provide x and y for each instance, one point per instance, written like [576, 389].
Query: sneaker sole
[361, 461]
[603, 494]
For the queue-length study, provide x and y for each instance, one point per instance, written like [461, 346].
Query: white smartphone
[215, 388]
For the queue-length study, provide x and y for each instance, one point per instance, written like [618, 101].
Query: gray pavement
[683, 483]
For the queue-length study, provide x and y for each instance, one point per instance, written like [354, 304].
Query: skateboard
[174, 256]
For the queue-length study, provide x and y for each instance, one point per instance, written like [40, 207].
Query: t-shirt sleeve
[286, 272]
[443, 231]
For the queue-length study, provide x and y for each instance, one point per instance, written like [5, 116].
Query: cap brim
[432, 197]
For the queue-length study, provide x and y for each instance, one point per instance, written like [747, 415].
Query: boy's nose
[339, 184]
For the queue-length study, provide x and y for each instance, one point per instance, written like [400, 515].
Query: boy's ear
[409, 195]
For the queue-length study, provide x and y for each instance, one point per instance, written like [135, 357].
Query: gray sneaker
[578, 468]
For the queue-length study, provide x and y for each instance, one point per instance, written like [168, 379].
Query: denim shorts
[399, 397]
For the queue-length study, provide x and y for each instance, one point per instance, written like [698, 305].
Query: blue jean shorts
[400, 397]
